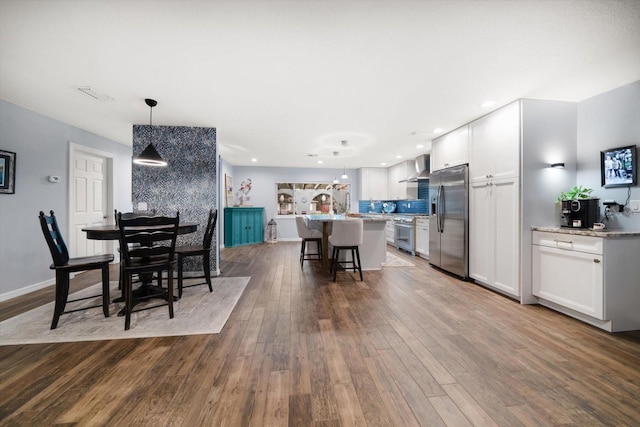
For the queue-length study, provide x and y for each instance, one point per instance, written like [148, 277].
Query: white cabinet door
[422, 236]
[494, 235]
[506, 229]
[381, 184]
[394, 184]
[494, 144]
[390, 232]
[400, 190]
[451, 149]
[373, 183]
[364, 175]
[481, 236]
[480, 156]
[572, 279]
[505, 134]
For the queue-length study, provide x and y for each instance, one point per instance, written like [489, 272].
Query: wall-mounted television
[619, 166]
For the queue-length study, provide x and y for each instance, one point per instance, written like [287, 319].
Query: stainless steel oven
[405, 231]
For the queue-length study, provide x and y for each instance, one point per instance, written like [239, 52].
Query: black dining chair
[128, 215]
[64, 265]
[203, 250]
[148, 245]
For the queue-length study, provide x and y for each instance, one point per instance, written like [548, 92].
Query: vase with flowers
[243, 192]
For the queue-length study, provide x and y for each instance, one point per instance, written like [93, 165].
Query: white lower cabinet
[494, 236]
[390, 232]
[570, 278]
[594, 279]
[422, 237]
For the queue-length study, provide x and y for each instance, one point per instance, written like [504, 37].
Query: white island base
[373, 251]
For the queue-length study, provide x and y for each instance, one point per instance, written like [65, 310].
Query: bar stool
[346, 236]
[308, 235]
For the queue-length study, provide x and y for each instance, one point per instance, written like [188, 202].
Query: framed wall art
[228, 190]
[7, 172]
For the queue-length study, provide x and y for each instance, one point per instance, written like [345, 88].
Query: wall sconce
[557, 165]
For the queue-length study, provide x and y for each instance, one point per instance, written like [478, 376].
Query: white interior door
[89, 201]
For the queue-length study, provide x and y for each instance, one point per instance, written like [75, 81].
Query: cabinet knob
[597, 261]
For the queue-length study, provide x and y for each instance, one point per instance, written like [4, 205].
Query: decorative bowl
[388, 207]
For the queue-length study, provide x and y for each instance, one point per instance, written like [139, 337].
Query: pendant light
[344, 171]
[335, 176]
[150, 156]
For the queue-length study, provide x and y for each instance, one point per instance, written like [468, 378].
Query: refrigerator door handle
[438, 208]
[441, 208]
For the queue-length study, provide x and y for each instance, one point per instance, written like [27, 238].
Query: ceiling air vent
[95, 94]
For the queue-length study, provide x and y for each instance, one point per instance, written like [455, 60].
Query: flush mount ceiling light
[150, 156]
[557, 165]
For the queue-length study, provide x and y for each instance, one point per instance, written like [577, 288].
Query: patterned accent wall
[188, 184]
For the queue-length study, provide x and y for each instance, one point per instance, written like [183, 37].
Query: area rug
[395, 261]
[198, 312]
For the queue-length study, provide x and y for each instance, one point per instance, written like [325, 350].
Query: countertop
[328, 217]
[393, 215]
[588, 231]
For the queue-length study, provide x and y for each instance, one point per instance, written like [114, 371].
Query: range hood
[422, 169]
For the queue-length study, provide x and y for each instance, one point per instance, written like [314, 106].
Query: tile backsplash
[409, 206]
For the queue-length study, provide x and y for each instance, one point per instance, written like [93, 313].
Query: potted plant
[578, 192]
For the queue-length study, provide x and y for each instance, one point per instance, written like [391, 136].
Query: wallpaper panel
[188, 184]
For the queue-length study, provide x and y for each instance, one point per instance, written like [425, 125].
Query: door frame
[110, 179]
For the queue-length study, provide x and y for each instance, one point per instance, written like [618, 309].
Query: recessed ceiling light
[419, 146]
[488, 103]
[320, 162]
[398, 156]
[383, 164]
[438, 130]
[254, 160]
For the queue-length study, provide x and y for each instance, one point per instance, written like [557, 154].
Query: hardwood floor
[408, 346]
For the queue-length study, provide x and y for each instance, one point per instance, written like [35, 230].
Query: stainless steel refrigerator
[449, 220]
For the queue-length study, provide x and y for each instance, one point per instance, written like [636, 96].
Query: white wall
[41, 145]
[263, 191]
[609, 120]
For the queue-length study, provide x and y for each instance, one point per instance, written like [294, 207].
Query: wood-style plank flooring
[408, 346]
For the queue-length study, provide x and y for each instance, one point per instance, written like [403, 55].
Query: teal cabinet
[243, 226]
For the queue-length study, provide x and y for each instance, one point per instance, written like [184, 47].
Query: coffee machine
[580, 213]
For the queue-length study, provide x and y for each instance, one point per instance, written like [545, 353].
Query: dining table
[112, 232]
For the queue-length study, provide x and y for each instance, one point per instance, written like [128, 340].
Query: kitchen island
[373, 251]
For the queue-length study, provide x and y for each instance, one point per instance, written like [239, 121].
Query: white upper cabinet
[402, 190]
[494, 145]
[373, 183]
[451, 149]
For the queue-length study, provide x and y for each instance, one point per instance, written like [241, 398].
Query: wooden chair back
[148, 240]
[54, 239]
[211, 227]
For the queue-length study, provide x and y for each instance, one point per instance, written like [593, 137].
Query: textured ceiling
[284, 79]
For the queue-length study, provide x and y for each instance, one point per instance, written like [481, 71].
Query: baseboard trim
[27, 289]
